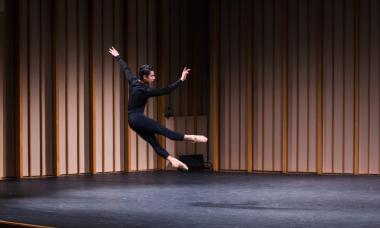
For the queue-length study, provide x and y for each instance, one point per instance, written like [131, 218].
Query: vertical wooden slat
[364, 107]
[357, 77]
[378, 152]
[116, 85]
[235, 78]
[214, 63]
[284, 87]
[34, 85]
[163, 68]
[263, 88]
[314, 39]
[78, 89]
[65, 84]
[132, 43]
[41, 114]
[277, 85]
[46, 88]
[93, 98]
[369, 86]
[257, 88]
[228, 79]
[142, 52]
[292, 82]
[308, 86]
[267, 80]
[60, 86]
[302, 87]
[113, 90]
[344, 88]
[374, 87]
[297, 86]
[333, 85]
[127, 130]
[328, 86]
[56, 72]
[81, 91]
[72, 88]
[249, 93]
[2, 93]
[108, 89]
[152, 59]
[338, 86]
[101, 74]
[320, 94]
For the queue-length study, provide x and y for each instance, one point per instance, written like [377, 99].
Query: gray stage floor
[193, 199]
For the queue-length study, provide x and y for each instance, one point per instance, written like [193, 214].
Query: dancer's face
[150, 78]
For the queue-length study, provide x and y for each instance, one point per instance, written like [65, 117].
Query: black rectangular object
[194, 162]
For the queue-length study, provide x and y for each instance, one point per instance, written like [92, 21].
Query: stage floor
[193, 199]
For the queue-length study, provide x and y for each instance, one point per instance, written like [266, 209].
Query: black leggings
[147, 128]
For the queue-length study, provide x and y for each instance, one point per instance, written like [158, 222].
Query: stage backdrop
[285, 85]
[64, 99]
[299, 82]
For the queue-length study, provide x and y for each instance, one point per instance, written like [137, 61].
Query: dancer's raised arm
[153, 92]
[127, 72]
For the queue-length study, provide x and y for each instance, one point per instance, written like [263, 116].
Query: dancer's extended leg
[152, 140]
[144, 124]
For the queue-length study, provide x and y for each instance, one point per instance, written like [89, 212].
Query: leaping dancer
[140, 92]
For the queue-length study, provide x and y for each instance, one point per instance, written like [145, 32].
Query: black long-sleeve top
[139, 92]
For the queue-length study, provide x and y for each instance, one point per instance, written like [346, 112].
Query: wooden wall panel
[314, 25]
[142, 54]
[267, 83]
[349, 91]
[72, 87]
[72, 95]
[83, 89]
[201, 148]
[292, 82]
[224, 128]
[47, 131]
[72, 115]
[108, 89]
[190, 126]
[98, 84]
[180, 126]
[2, 87]
[257, 90]
[364, 89]
[60, 75]
[118, 92]
[24, 90]
[334, 43]
[338, 100]
[152, 56]
[374, 82]
[277, 75]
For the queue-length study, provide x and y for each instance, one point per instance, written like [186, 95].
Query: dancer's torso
[138, 97]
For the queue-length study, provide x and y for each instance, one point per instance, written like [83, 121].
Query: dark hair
[144, 70]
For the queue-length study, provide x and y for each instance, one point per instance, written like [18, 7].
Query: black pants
[147, 128]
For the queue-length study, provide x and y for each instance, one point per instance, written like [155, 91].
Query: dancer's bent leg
[152, 140]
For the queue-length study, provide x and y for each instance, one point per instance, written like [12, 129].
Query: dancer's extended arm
[163, 91]
[127, 72]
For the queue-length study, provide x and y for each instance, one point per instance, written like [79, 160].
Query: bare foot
[175, 163]
[196, 138]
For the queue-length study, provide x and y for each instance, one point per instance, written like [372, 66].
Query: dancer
[140, 91]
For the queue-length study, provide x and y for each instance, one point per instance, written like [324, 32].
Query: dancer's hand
[185, 73]
[114, 52]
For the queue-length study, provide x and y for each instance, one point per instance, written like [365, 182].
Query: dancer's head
[146, 74]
